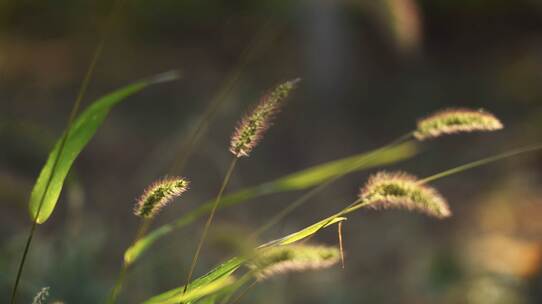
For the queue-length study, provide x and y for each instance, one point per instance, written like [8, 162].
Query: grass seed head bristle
[402, 190]
[41, 296]
[456, 121]
[158, 195]
[251, 128]
[292, 258]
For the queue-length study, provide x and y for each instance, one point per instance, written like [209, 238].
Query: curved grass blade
[222, 272]
[226, 269]
[300, 180]
[306, 232]
[82, 130]
[197, 293]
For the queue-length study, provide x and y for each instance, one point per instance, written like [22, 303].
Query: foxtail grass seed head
[41, 296]
[456, 121]
[402, 190]
[293, 258]
[251, 128]
[158, 195]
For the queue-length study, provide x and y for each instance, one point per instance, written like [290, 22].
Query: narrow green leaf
[229, 267]
[80, 133]
[132, 253]
[300, 180]
[318, 174]
[222, 272]
[196, 293]
[302, 234]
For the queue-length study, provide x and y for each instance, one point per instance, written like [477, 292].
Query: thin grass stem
[481, 162]
[243, 292]
[341, 248]
[208, 223]
[73, 113]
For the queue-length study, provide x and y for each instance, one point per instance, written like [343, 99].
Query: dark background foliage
[369, 69]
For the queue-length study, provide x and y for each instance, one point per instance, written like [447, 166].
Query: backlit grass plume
[252, 127]
[402, 190]
[293, 258]
[159, 194]
[456, 121]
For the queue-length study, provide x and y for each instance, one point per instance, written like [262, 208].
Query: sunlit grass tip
[453, 121]
[159, 194]
[293, 258]
[402, 190]
[251, 128]
[41, 296]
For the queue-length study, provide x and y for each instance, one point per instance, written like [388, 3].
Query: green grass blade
[82, 130]
[305, 233]
[318, 174]
[300, 180]
[226, 269]
[221, 272]
[197, 293]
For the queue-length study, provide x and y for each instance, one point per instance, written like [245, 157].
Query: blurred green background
[370, 69]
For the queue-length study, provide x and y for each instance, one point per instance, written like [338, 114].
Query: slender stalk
[248, 276]
[64, 138]
[341, 248]
[305, 198]
[208, 223]
[75, 109]
[481, 162]
[23, 259]
[143, 227]
[242, 293]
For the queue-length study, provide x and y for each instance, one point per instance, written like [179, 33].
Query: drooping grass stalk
[209, 222]
[440, 123]
[305, 198]
[361, 202]
[472, 165]
[73, 114]
[288, 183]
